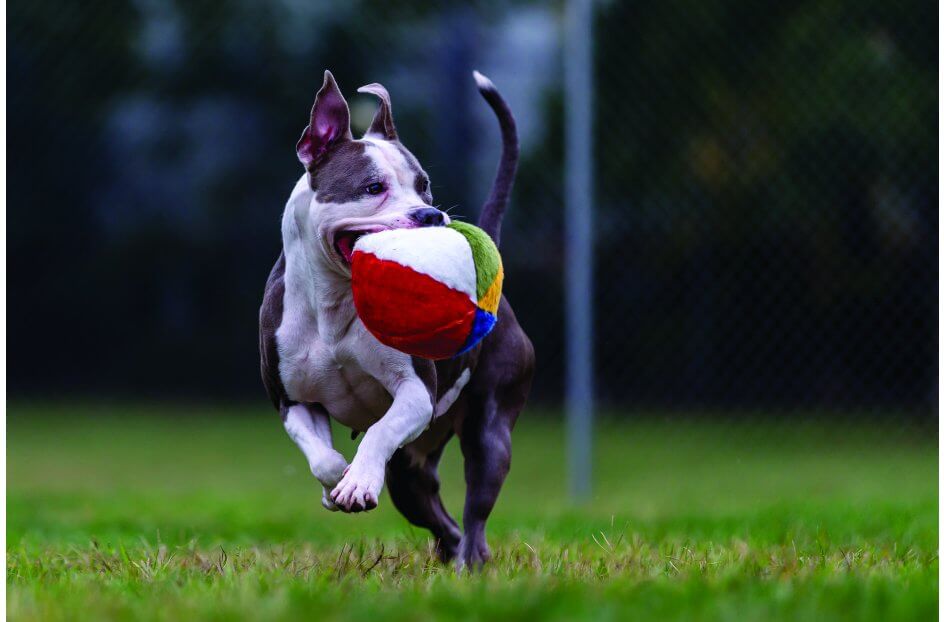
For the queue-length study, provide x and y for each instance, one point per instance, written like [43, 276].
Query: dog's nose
[427, 217]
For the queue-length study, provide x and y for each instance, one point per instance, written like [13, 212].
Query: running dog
[319, 362]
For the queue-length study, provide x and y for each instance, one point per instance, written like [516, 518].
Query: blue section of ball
[482, 325]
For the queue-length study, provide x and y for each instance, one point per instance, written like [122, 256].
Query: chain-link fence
[765, 188]
[767, 204]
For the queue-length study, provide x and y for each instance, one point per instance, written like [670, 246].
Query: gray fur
[344, 174]
[270, 318]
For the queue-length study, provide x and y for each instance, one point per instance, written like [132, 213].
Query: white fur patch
[449, 397]
[483, 82]
[389, 158]
[312, 434]
[439, 252]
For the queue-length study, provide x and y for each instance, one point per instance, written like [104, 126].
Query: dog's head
[359, 186]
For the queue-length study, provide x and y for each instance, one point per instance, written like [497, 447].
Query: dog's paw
[359, 489]
[473, 553]
[329, 469]
[326, 501]
[447, 548]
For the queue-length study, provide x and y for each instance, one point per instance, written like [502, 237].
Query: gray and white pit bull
[319, 362]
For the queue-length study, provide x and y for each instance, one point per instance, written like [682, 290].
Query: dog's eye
[375, 188]
[424, 185]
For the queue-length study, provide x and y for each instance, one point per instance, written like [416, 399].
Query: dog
[319, 362]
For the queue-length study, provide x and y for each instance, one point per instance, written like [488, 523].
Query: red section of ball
[410, 311]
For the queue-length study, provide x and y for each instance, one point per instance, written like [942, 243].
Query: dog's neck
[313, 287]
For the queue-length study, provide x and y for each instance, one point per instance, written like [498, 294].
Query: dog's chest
[329, 374]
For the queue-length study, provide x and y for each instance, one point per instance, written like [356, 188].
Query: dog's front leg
[407, 417]
[308, 425]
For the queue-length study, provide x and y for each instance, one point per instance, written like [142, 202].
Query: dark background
[765, 206]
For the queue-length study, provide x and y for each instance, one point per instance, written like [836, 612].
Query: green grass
[121, 513]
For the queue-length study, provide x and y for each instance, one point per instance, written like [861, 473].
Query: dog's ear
[382, 125]
[330, 122]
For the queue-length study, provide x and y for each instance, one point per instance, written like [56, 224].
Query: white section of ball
[438, 252]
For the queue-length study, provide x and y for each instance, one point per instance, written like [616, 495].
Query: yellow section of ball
[489, 301]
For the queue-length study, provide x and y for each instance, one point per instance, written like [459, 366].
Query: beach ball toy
[431, 292]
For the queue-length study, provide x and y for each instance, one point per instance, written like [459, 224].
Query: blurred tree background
[766, 187]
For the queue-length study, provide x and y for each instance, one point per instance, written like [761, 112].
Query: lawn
[184, 512]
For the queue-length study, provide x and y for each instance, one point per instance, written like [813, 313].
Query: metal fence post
[578, 235]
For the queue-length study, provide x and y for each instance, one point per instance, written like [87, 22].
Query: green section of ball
[484, 254]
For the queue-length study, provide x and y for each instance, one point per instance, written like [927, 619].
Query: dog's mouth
[345, 240]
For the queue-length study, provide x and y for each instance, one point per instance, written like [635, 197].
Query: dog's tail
[494, 208]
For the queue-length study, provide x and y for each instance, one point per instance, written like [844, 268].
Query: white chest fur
[331, 374]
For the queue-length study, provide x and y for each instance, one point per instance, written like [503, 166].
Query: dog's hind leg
[413, 482]
[497, 395]
[485, 438]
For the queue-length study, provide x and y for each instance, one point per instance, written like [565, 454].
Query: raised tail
[493, 210]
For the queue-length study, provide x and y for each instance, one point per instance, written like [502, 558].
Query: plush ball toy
[431, 292]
